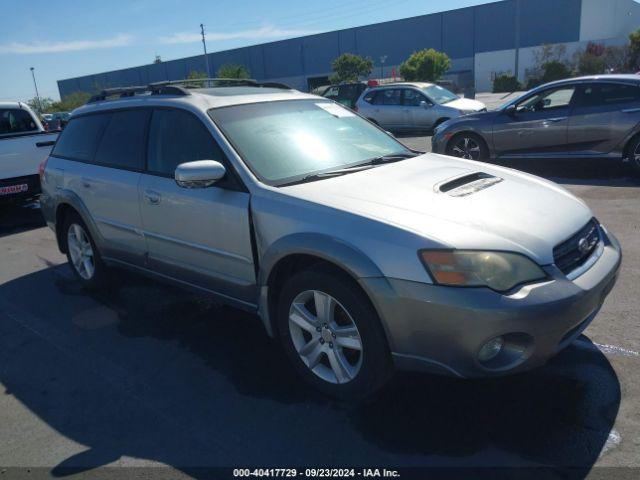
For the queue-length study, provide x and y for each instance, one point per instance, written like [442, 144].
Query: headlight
[499, 271]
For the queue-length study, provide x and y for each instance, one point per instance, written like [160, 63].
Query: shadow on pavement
[15, 218]
[151, 372]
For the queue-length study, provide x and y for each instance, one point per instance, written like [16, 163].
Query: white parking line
[610, 349]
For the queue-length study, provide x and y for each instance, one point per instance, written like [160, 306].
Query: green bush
[589, 64]
[425, 66]
[552, 70]
[506, 83]
[349, 68]
[231, 70]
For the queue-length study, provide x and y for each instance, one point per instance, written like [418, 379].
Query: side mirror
[510, 110]
[199, 174]
[425, 104]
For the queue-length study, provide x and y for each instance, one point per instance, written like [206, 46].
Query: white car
[413, 106]
[24, 145]
[360, 255]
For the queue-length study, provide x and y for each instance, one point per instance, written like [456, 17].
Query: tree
[232, 70]
[633, 59]
[551, 71]
[70, 102]
[425, 65]
[43, 105]
[591, 61]
[158, 59]
[506, 83]
[615, 58]
[548, 53]
[349, 68]
[196, 75]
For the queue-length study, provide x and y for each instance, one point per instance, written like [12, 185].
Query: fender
[331, 249]
[68, 197]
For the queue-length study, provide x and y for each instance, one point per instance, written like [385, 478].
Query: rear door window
[122, 144]
[602, 94]
[389, 96]
[80, 138]
[15, 120]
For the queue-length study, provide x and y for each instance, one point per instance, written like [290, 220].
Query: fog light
[490, 349]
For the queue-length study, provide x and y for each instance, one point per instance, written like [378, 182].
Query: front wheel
[469, 146]
[333, 335]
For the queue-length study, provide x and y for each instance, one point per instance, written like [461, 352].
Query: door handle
[152, 197]
[556, 119]
[45, 144]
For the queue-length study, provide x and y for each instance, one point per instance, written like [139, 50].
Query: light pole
[383, 58]
[36, 85]
[204, 45]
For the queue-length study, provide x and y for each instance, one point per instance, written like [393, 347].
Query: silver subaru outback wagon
[360, 255]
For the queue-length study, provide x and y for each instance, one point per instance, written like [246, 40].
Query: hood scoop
[467, 184]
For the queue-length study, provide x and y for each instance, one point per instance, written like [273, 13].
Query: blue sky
[64, 38]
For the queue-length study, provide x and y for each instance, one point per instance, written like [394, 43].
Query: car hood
[457, 203]
[466, 104]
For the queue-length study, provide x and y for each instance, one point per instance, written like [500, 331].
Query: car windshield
[285, 141]
[439, 94]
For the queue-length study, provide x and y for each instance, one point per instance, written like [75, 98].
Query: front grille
[573, 252]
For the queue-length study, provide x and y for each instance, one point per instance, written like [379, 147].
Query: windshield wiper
[329, 173]
[367, 164]
[394, 157]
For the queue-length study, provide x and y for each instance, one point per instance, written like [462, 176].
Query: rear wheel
[82, 254]
[469, 146]
[634, 155]
[333, 335]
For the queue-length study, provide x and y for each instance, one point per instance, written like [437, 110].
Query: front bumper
[442, 329]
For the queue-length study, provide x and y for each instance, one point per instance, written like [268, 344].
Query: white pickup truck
[24, 144]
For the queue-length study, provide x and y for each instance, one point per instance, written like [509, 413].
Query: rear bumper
[19, 188]
[442, 329]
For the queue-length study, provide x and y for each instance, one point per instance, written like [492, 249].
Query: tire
[83, 256]
[328, 347]
[469, 146]
[634, 155]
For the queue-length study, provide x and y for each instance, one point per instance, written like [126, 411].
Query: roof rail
[152, 89]
[220, 82]
[180, 87]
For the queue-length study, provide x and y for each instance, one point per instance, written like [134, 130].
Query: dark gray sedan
[586, 117]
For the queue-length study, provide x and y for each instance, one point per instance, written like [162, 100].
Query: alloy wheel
[80, 251]
[467, 148]
[325, 336]
[636, 155]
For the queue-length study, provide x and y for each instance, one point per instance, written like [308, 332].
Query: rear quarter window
[79, 140]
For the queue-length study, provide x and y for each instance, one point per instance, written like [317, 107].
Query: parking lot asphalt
[145, 375]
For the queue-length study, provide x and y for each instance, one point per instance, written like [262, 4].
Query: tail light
[41, 168]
